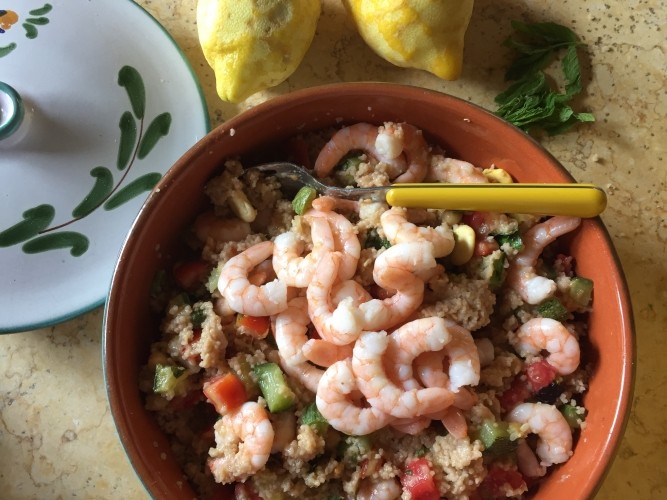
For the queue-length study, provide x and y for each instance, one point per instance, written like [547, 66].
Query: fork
[577, 200]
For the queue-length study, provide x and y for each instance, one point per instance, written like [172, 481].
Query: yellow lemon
[254, 44]
[422, 34]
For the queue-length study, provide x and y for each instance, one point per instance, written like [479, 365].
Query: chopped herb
[197, 317]
[531, 102]
[373, 240]
[421, 452]
[513, 240]
[408, 472]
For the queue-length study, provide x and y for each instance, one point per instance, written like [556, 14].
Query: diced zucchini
[212, 281]
[573, 416]
[496, 438]
[168, 378]
[513, 240]
[303, 199]
[352, 448]
[581, 290]
[272, 383]
[552, 308]
[312, 416]
[492, 268]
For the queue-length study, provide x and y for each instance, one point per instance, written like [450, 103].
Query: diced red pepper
[256, 326]
[517, 393]
[539, 374]
[484, 246]
[418, 481]
[189, 275]
[479, 221]
[533, 377]
[496, 479]
[564, 264]
[225, 393]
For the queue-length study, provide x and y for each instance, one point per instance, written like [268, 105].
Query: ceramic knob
[14, 118]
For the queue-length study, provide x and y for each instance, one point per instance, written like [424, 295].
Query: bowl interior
[467, 132]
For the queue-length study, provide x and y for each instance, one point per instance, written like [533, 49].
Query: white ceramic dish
[89, 72]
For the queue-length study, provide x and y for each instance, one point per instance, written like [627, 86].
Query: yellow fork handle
[577, 200]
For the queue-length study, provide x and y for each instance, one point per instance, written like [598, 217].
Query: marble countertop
[57, 437]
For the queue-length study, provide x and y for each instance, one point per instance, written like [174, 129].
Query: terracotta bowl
[467, 132]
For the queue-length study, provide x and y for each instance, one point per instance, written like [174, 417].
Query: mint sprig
[532, 101]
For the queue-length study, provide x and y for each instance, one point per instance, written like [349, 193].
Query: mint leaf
[532, 101]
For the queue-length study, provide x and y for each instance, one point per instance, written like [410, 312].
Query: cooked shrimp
[540, 334]
[263, 273]
[294, 269]
[350, 289]
[485, 350]
[398, 229]
[324, 353]
[345, 239]
[290, 332]
[521, 274]
[409, 341]
[454, 421]
[244, 297]
[411, 141]
[527, 462]
[554, 445]
[412, 426]
[334, 401]
[208, 225]
[463, 361]
[454, 171]
[243, 443]
[339, 324]
[395, 269]
[329, 204]
[360, 136]
[381, 392]
[379, 489]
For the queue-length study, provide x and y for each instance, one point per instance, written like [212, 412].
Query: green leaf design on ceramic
[7, 49]
[100, 191]
[130, 78]
[42, 10]
[77, 242]
[35, 219]
[39, 21]
[139, 185]
[128, 138]
[30, 30]
[158, 128]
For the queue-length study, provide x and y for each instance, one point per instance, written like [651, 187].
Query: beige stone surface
[57, 437]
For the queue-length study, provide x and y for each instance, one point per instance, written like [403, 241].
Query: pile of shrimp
[372, 360]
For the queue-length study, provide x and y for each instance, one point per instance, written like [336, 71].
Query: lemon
[422, 34]
[254, 44]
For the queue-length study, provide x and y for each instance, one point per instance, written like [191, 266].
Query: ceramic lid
[110, 103]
